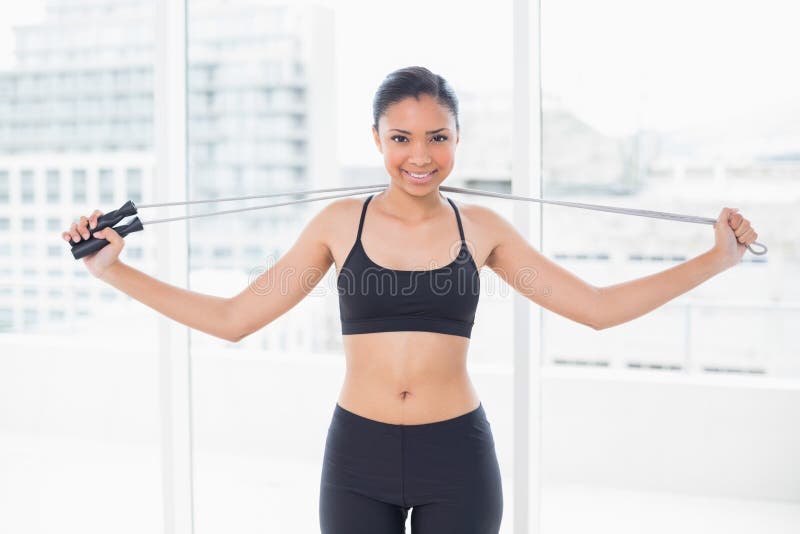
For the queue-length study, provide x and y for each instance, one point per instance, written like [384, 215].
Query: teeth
[418, 175]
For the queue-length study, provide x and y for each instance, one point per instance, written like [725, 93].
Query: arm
[301, 268]
[203, 312]
[559, 291]
[622, 302]
[292, 278]
[206, 313]
[535, 276]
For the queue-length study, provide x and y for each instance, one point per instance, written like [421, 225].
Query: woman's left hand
[732, 234]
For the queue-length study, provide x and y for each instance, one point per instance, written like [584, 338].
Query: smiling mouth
[417, 175]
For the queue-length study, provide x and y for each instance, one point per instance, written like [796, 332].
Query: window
[58, 126]
[4, 187]
[133, 179]
[27, 187]
[106, 186]
[6, 319]
[79, 186]
[30, 317]
[53, 185]
[81, 294]
[621, 126]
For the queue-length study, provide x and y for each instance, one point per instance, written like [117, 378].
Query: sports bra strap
[363, 213]
[458, 218]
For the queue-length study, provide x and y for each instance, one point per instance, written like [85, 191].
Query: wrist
[109, 271]
[717, 260]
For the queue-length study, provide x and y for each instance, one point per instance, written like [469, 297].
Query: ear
[377, 139]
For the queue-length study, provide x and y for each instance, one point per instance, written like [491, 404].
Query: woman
[408, 429]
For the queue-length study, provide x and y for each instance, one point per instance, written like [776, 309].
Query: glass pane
[280, 99]
[682, 107]
[79, 427]
[677, 128]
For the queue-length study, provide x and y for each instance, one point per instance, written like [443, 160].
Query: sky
[618, 65]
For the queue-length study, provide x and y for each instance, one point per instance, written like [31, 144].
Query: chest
[423, 247]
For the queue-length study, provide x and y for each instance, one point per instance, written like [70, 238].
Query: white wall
[705, 435]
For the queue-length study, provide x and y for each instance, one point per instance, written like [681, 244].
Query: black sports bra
[375, 299]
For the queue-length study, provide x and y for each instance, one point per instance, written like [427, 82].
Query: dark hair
[413, 81]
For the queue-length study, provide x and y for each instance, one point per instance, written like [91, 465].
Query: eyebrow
[409, 133]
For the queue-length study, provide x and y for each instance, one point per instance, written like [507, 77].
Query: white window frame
[526, 180]
[172, 264]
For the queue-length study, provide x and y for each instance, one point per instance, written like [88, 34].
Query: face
[417, 137]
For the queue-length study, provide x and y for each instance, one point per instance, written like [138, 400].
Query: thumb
[109, 234]
[725, 215]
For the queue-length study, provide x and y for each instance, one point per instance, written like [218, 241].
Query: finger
[736, 221]
[724, 216]
[743, 228]
[73, 232]
[109, 234]
[82, 227]
[746, 235]
[93, 218]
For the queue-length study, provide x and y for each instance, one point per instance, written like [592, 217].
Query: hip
[408, 404]
[452, 460]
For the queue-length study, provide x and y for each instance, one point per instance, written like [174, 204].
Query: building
[76, 134]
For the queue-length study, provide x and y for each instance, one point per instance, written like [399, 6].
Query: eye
[443, 138]
[396, 136]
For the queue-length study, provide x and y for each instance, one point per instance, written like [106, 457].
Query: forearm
[206, 313]
[624, 302]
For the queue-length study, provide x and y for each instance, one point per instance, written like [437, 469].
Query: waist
[462, 419]
[408, 403]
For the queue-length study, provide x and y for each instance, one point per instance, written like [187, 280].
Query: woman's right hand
[98, 262]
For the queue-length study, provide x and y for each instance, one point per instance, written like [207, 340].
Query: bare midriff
[407, 377]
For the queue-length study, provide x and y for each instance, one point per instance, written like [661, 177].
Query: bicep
[535, 276]
[282, 286]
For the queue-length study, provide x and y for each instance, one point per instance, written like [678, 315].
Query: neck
[411, 208]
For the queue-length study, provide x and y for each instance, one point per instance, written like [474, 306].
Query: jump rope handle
[93, 244]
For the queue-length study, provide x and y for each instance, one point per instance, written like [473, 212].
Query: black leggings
[374, 472]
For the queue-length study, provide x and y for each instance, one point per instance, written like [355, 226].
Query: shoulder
[336, 218]
[342, 210]
[339, 208]
[487, 227]
[477, 212]
[481, 217]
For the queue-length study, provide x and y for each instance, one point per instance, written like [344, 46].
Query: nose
[419, 154]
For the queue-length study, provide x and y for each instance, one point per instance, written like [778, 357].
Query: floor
[72, 485]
